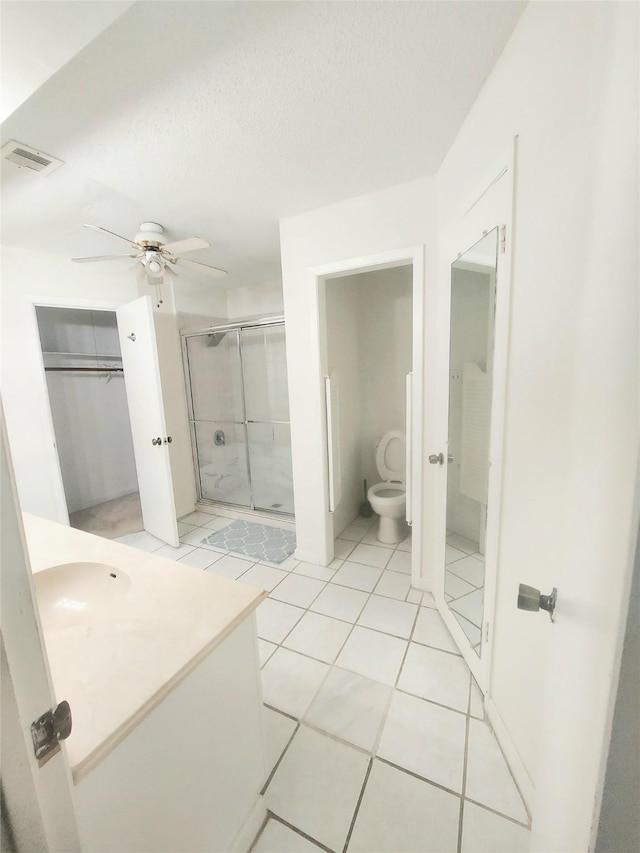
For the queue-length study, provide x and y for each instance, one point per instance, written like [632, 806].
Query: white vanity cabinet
[188, 777]
[159, 663]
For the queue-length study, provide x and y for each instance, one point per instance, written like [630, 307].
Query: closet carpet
[111, 519]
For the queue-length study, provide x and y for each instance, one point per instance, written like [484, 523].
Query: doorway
[406, 266]
[90, 414]
[368, 357]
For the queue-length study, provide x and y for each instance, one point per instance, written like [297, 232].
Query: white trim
[39, 301]
[516, 765]
[478, 220]
[414, 256]
[409, 448]
[330, 444]
[74, 302]
[309, 557]
[501, 360]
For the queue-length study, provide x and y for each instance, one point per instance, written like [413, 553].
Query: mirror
[473, 290]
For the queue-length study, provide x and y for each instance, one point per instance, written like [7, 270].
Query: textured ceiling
[219, 118]
[37, 38]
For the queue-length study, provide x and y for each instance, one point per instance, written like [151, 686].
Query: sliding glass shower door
[240, 416]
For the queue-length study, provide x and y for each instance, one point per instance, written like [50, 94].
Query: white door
[146, 412]
[38, 800]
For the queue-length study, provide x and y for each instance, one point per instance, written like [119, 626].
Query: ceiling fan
[153, 256]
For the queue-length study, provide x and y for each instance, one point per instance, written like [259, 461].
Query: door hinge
[49, 729]
[502, 239]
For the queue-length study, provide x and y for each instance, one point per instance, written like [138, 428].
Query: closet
[85, 383]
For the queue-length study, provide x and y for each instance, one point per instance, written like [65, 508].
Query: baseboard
[309, 557]
[109, 496]
[244, 839]
[518, 770]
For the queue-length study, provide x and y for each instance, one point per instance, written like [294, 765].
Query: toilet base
[391, 531]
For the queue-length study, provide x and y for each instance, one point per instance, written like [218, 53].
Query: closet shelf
[82, 354]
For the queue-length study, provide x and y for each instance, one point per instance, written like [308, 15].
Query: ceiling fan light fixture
[150, 232]
[156, 256]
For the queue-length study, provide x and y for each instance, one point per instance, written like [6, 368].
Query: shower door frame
[277, 320]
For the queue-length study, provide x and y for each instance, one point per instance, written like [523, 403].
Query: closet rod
[89, 369]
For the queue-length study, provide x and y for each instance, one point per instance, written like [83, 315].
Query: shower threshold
[244, 512]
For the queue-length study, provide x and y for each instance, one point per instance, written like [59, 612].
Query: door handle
[156, 440]
[529, 598]
[438, 458]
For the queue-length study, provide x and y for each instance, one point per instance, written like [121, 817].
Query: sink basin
[77, 593]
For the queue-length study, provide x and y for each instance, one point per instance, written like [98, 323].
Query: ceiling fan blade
[205, 268]
[102, 258]
[187, 245]
[113, 233]
[172, 273]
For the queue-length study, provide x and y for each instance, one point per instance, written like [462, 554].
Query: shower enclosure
[239, 415]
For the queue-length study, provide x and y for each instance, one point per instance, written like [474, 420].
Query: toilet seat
[389, 469]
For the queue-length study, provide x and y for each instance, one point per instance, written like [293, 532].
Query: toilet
[389, 498]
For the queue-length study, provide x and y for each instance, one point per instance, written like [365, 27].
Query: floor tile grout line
[271, 774]
[260, 831]
[335, 738]
[358, 804]
[353, 625]
[431, 701]
[324, 586]
[513, 778]
[418, 776]
[394, 687]
[276, 817]
[464, 771]
[498, 813]
[304, 654]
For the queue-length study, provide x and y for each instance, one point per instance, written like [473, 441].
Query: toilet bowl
[389, 498]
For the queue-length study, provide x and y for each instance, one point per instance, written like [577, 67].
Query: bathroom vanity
[158, 661]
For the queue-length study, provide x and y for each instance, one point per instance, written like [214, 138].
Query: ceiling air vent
[29, 158]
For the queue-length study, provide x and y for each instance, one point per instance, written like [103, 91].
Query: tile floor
[464, 585]
[374, 726]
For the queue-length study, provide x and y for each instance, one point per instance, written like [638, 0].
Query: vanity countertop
[115, 669]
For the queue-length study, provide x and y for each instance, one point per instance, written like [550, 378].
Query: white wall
[385, 357]
[397, 218]
[27, 275]
[566, 83]
[199, 301]
[256, 300]
[342, 305]
[89, 410]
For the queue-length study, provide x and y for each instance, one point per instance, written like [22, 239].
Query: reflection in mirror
[473, 285]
